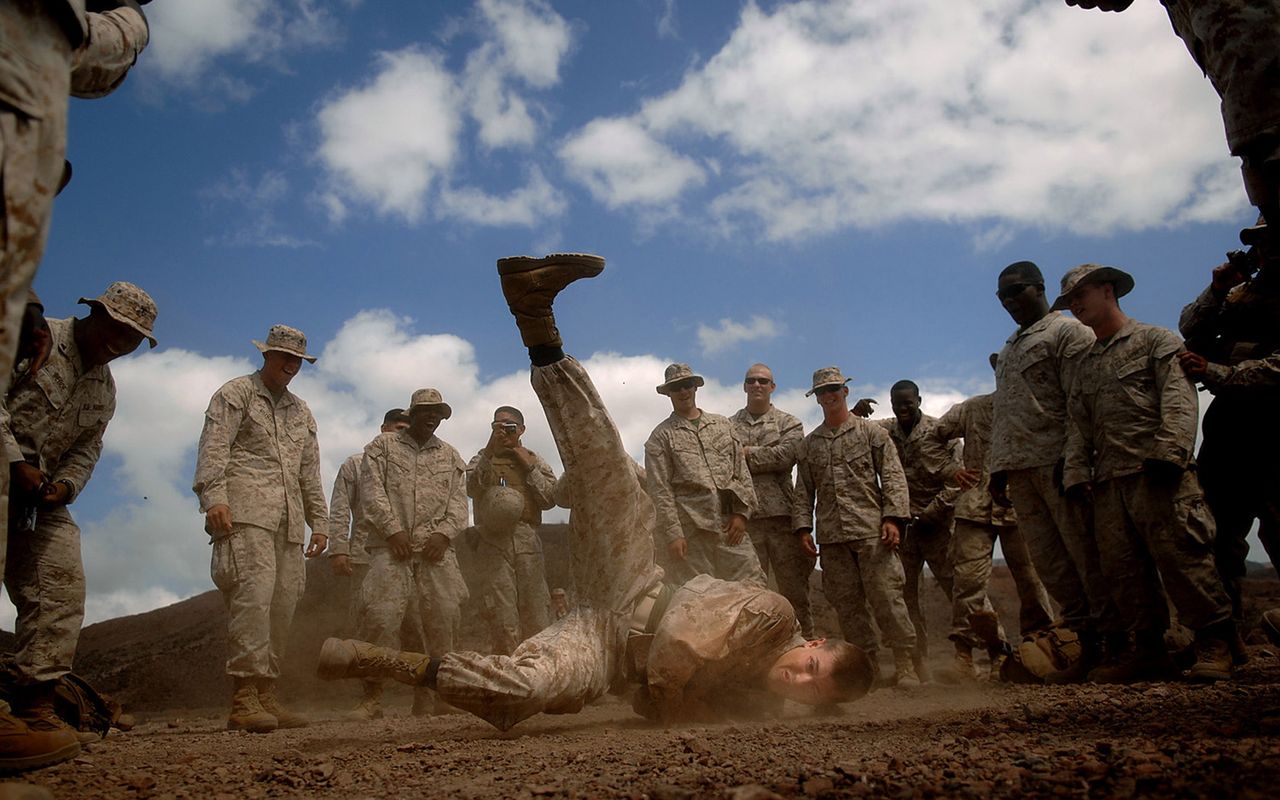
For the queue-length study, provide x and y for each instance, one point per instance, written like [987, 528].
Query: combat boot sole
[580, 265]
[48, 750]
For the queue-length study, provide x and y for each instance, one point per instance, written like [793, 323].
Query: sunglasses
[759, 381]
[683, 385]
[828, 389]
[1013, 290]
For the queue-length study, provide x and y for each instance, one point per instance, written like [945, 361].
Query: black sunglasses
[1014, 290]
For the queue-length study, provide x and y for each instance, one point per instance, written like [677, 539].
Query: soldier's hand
[1194, 364]
[1225, 276]
[437, 546]
[524, 456]
[26, 479]
[807, 546]
[735, 529]
[317, 544]
[399, 544]
[863, 408]
[679, 549]
[54, 494]
[998, 489]
[217, 520]
[968, 478]
[890, 534]
[340, 565]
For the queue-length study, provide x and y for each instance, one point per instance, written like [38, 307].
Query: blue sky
[800, 183]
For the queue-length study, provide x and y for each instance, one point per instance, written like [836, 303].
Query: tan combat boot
[370, 706]
[36, 706]
[962, 670]
[22, 748]
[1214, 660]
[904, 670]
[247, 713]
[531, 284]
[348, 658]
[1145, 660]
[270, 701]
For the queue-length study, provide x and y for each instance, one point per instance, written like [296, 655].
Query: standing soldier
[516, 600]
[1130, 444]
[769, 439]
[54, 438]
[849, 467]
[701, 487]
[258, 479]
[1028, 433]
[414, 489]
[347, 556]
[927, 539]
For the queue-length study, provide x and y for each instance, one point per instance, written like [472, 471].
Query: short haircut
[1027, 270]
[905, 385]
[851, 671]
[512, 410]
[761, 366]
[395, 415]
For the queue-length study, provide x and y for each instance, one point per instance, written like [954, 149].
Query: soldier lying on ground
[706, 640]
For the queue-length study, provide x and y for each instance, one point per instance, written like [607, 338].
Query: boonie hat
[676, 373]
[128, 304]
[430, 397]
[827, 376]
[1092, 273]
[286, 340]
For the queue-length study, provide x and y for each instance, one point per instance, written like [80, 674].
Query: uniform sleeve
[222, 421]
[1074, 344]
[1078, 451]
[100, 65]
[657, 467]
[1175, 440]
[1253, 373]
[12, 450]
[895, 498]
[949, 428]
[478, 474]
[806, 491]
[542, 483]
[313, 505]
[781, 456]
[742, 489]
[375, 506]
[77, 461]
[1199, 317]
[455, 518]
[341, 503]
[940, 459]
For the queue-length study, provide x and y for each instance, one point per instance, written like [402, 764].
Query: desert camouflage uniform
[57, 420]
[1028, 433]
[1131, 402]
[1239, 334]
[514, 599]
[421, 490]
[48, 50]
[346, 538]
[770, 441]
[697, 477]
[927, 539]
[853, 475]
[979, 523]
[716, 636]
[260, 457]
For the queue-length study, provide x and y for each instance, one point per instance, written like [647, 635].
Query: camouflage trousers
[514, 600]
[972, 546]
[261, 575]
[45, 578]
[855, 574]
[1063, 550]
[396, 590]
[577, 657]
[781, 557]
[922, 544]
[709, 554]
[1153, 534]
[354, 581]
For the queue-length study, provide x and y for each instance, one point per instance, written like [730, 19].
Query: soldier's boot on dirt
[904, 670]
[370, 706]
[247, 713]
[1213, 653]
[1094, 651]
[269, 698]
[878, 680]
[1146, 660]
[531, 284]
[1239, 651]
[348, 658]
[961, 670]
[998, 656]
[36, 706]
[22, 748]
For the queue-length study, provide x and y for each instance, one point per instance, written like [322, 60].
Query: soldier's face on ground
[1020, 298]
[758, 384]
[684, 396]
[279, 368]
[906, 405]
[803, 674]
[423, 421]
[1088, 303]
[507, 430]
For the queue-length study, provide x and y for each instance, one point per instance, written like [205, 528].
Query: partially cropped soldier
[414, 489]
[927, 539]
[1233, 348]
[258, 480]
[514, 597]
[347, 556]
[849, 468]
[701, 486]
[1028, 433]
[694, 651]
[53, 438]
[1133, 417]
[48, 50]
[980, 523]
[769, 439]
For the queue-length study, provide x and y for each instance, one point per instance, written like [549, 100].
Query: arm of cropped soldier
[77, 462]
[222, 420]
[375, 505]
[1253, 373]
[13, 451]
[1175, 439]
[341, 502]
[1200, 316]
[657, 467]
[541, 480]
[1077, 453]
[116, 37]
[781, 456]
[802, 499]
[478, 474]
[313, 504]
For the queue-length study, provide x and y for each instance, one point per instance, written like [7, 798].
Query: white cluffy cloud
[730, 333]
[817, 116]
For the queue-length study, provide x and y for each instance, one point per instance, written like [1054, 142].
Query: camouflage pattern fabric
[261, 574]
[538, 484]
[925, 543]
[778, 548]
[417, 489]
[865, 572]
[770, 442]
[45, 578]
[971, 420]
[853, 475]
[928, 464]
[346, 537]
[390, 591]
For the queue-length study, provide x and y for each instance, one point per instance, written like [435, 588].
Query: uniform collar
[286, 397]
[1126, 330]
[1034, 327]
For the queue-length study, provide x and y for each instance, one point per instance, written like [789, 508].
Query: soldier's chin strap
[544, 355]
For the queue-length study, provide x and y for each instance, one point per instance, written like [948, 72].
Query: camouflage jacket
[971, 421]
[1033, 376]
[537, 484]
[346, 537]
[260, 456]
[696, 473]
[1130, 401]
[716, 637]
[854, 476]
[57, 417]
[770, 442]
[928, 465]
[418, 489]
[1239, 333]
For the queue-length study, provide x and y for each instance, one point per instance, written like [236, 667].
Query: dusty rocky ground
[1167, 739]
